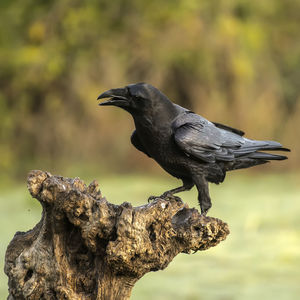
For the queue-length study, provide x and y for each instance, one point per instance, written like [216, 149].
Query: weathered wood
[87, 248]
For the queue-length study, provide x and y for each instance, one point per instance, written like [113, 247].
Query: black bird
[185, 144]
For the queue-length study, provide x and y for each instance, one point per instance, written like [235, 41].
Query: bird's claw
[152, 198]
[165, 195]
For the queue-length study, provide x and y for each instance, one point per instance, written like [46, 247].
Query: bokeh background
[235, 62]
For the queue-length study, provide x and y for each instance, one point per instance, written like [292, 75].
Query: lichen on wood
[87, 248]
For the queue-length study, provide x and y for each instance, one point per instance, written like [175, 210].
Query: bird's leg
[203, 193]
[187, 185]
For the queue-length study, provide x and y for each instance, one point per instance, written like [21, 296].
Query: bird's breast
[161, 147]
[156, 141]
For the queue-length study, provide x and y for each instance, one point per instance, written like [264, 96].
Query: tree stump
[87, 248]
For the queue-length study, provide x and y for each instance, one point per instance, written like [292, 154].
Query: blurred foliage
[233, 61]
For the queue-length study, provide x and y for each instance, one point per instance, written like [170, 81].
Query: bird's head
[139, 98]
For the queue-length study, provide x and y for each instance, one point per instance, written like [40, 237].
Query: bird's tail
[274, 146]
[266, 156]
[250, 155]
[252, 146]
[268, 146]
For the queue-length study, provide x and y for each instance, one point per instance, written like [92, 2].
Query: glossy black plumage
[185, 144]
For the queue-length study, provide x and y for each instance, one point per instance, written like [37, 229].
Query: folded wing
[211, 142]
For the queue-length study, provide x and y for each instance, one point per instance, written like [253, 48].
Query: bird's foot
[165, 195]
[152, 198]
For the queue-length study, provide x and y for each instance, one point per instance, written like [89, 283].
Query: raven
[185, 144]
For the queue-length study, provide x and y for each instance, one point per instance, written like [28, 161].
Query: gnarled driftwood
[87, 248]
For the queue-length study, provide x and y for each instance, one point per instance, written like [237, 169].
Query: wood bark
[87, 248]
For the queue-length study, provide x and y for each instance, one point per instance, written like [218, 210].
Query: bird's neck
[158, 118]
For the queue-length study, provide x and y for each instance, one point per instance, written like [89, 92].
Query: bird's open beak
[118, 97]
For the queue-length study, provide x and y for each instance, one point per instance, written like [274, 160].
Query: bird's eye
[135, 93]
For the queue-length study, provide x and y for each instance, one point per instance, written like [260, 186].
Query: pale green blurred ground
[259, 260]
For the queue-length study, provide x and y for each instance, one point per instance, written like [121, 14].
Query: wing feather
[212, 142]
[200, 138]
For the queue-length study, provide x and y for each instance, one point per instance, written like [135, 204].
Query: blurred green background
[235, 62]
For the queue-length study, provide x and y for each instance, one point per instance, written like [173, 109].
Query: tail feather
[278, 149]
[272, 145]
[266, 156]
[250, 155]
[252, 146]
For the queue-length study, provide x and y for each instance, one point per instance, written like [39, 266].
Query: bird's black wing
[201, 139]
[137, 143]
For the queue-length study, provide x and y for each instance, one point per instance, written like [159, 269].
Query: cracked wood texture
[87, 248]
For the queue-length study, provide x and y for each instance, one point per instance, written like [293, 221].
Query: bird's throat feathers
[160, 115]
